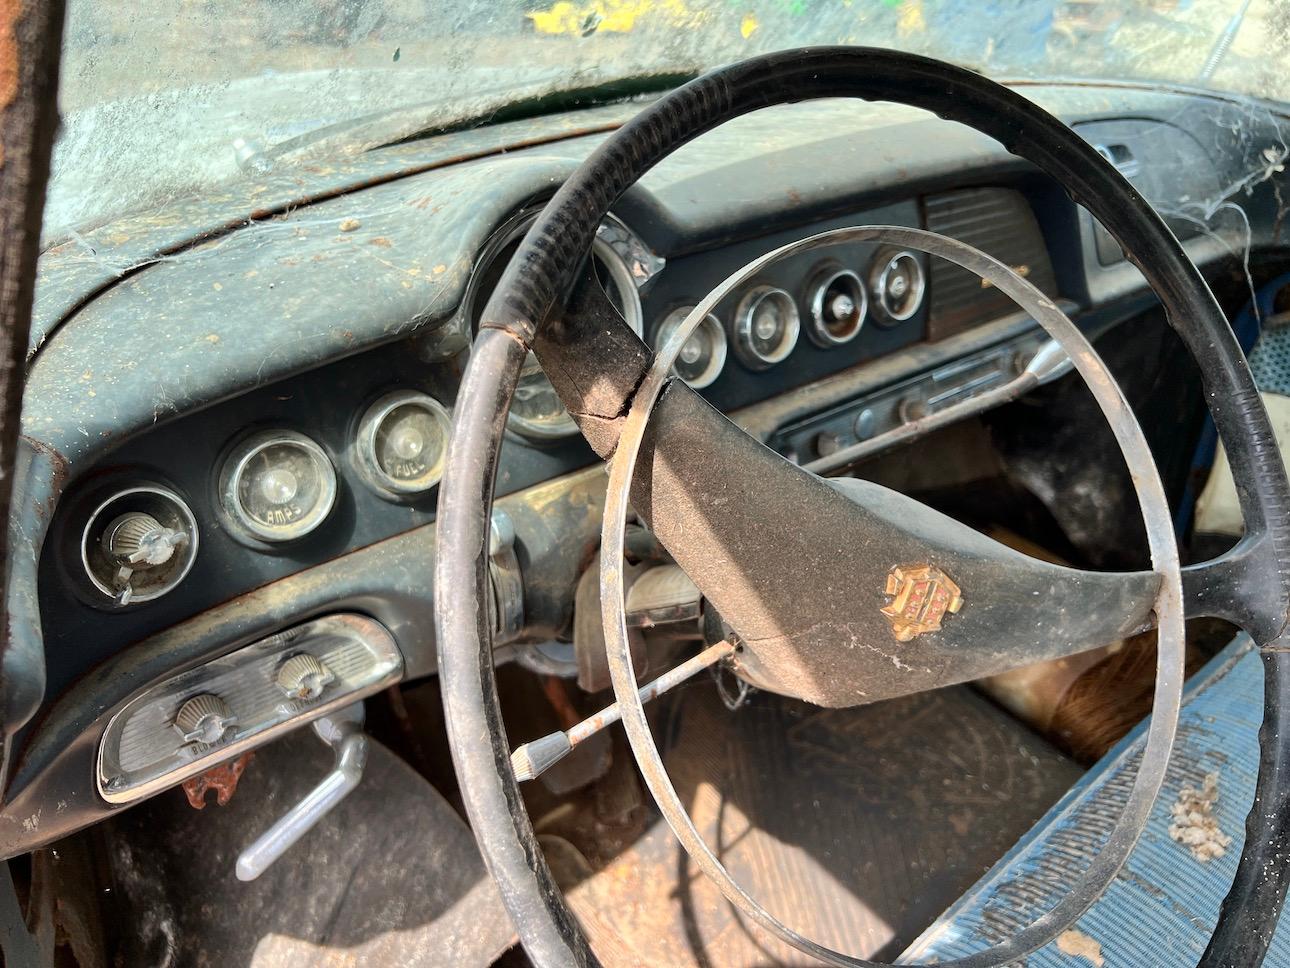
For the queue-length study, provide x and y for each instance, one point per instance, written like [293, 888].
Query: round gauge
[138, 545]
[402, 440]
[766, 327]
[838, 307]
[536, 410]
[703, 355]
[278, 485]
[898, 285]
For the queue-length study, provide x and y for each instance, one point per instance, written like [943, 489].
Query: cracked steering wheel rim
[540, 275]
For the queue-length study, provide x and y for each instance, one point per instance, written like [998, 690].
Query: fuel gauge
[401, 442]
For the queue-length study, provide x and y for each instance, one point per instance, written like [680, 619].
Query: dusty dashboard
[303, 471]
[254, 427]
[300, 472]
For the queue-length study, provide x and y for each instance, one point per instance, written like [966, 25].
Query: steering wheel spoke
[845, 592]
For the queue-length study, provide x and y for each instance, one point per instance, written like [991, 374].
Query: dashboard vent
[999, 222]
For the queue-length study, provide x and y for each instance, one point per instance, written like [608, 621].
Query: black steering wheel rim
[542, 272]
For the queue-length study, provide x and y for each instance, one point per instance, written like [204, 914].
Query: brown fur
[1108, 700]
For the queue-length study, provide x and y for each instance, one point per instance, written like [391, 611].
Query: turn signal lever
[343, 732]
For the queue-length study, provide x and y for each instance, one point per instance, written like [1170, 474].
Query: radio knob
[911, 409]
[827, 443]
[205, 719]
[304, 677]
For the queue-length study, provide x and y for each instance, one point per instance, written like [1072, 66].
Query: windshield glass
[163, 98]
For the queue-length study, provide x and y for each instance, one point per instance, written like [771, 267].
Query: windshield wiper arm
[1224, 43]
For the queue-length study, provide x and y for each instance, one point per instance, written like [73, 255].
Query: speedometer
[536, 410]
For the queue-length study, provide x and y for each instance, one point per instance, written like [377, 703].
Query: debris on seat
[1195, 825]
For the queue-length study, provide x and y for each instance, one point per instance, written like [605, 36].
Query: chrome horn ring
[1170, 653]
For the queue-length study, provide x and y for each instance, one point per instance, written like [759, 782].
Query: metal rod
[533, 759]
[1223, 43]
[1049, 363]
[916, 428]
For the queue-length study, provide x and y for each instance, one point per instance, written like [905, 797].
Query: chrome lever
[531, 760]
[343, 732]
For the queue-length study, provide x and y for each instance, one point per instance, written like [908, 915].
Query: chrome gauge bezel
[885, 263]
[369, 466]
[235, 465]
[613, 239]
[115, 504]
[711, 325]
[820, 284]
[745, 347]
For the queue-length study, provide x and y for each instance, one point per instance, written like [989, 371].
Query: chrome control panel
[188, 723]
[857, 420]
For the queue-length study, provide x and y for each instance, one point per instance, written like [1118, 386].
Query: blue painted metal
[1162, 907]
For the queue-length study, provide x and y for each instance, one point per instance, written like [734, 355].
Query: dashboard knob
[827, 443]
[205, 719]
[912, 408]
[866, 423]
[139, 539]
[304, 677]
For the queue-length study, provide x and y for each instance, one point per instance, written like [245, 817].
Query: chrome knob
[827, 443]
[304, 677]
[205, 719]
[141, 541]
[912, 408]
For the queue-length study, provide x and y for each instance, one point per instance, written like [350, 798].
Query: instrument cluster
[352, 452]
[273, 486]
[767, 321]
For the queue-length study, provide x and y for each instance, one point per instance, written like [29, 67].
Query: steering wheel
[828, 641]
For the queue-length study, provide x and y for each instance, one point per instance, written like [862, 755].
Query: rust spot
[380, 241]
[10, 10]
[222, 779]
[349, 224]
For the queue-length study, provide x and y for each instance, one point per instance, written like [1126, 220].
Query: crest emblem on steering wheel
[921, 595]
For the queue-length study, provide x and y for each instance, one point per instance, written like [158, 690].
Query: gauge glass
[703, 355]
[838, 305]
[768, 326]
[402, 441]
[536, 411]
[278, 485]
[899, 285]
